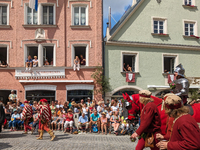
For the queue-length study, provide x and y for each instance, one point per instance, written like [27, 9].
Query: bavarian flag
[33, 4]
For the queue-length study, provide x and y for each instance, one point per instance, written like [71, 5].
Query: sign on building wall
[130, 77]
[39, 74]
[194, 81]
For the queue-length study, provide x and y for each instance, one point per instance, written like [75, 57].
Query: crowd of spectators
[83, 117]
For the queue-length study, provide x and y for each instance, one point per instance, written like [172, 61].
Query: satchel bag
[149, 140]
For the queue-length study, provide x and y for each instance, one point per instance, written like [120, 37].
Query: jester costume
[45, 117]
[27, 115]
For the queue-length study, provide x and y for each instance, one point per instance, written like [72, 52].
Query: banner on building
[40, 74]
[130, 77]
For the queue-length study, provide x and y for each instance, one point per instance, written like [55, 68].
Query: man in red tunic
[185, 131]
[150, 120]
[45, 116]
[27, 115]
[169, 122]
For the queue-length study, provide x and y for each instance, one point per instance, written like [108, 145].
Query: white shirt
[98, 109]
[114, 108]
[84, 110]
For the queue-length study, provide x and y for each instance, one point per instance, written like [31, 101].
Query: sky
[118, 7]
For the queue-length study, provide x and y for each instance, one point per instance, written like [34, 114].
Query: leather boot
[52, 135]
[41, 135]
[25, 132]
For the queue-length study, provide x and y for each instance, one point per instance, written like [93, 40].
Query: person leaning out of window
[76, 64]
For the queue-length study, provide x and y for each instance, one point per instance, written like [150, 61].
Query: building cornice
[152, 45]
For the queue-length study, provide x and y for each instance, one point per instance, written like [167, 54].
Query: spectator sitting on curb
[94, 119]
[83, 122]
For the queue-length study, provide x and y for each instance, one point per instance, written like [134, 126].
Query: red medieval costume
[150, 123]
[185, 134]
[27, 115]
[45, 117]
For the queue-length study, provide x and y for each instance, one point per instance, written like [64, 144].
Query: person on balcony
[29, 63]
[35, 61]
[76, 64]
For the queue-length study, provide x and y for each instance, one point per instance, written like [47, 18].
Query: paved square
[17, 141]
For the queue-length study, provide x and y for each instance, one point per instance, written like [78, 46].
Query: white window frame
[176, 62]
[8, 10]
[40, 13]
[6, 46]
[165, 30]
[40, 53]
[86, 53]
[86, 11]
[136, 54]
[26, 5]
[190, 22]
[193, 2]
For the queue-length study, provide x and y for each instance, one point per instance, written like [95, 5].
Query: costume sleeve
[146, 119]
[191, 136]
[169, 128]
[24, 112]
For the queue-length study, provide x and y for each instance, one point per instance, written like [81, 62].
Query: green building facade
[153, 37]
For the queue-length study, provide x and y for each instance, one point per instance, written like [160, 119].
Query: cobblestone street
[15, 141]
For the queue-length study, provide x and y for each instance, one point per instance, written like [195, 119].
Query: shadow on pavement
[4, 146]
[61, 137]
[18, 135]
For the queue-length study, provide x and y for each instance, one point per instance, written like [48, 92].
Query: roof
[126, 14]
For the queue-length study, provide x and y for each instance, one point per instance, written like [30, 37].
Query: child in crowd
[125, 125]
[54, 122]
[60, 122]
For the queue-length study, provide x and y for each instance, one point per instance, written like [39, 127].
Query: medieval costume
[181, 84]
[150, 121]
[27, 115]
[185, 131]
[45, 116]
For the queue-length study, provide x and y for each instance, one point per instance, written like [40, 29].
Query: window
[189, 29]
[33, 51]
[48, 15]
[169, 63]
[45, 14]
[32, 16]
[79, 94]
[158, 27]
[82, 52]
[3, 55]
[3, 15]
[36, 95]
[48, 55]
[129, 63]
[189, 2]
[45, 54]
[79, 16]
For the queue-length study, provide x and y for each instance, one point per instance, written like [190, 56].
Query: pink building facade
[56, 33]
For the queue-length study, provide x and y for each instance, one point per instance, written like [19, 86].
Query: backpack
[94, 128]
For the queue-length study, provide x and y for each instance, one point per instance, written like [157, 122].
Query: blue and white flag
[33, 4]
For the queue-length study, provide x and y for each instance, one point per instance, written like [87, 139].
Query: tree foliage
[101, 81]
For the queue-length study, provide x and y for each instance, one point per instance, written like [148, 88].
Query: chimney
[109, 18]
[134, 2]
